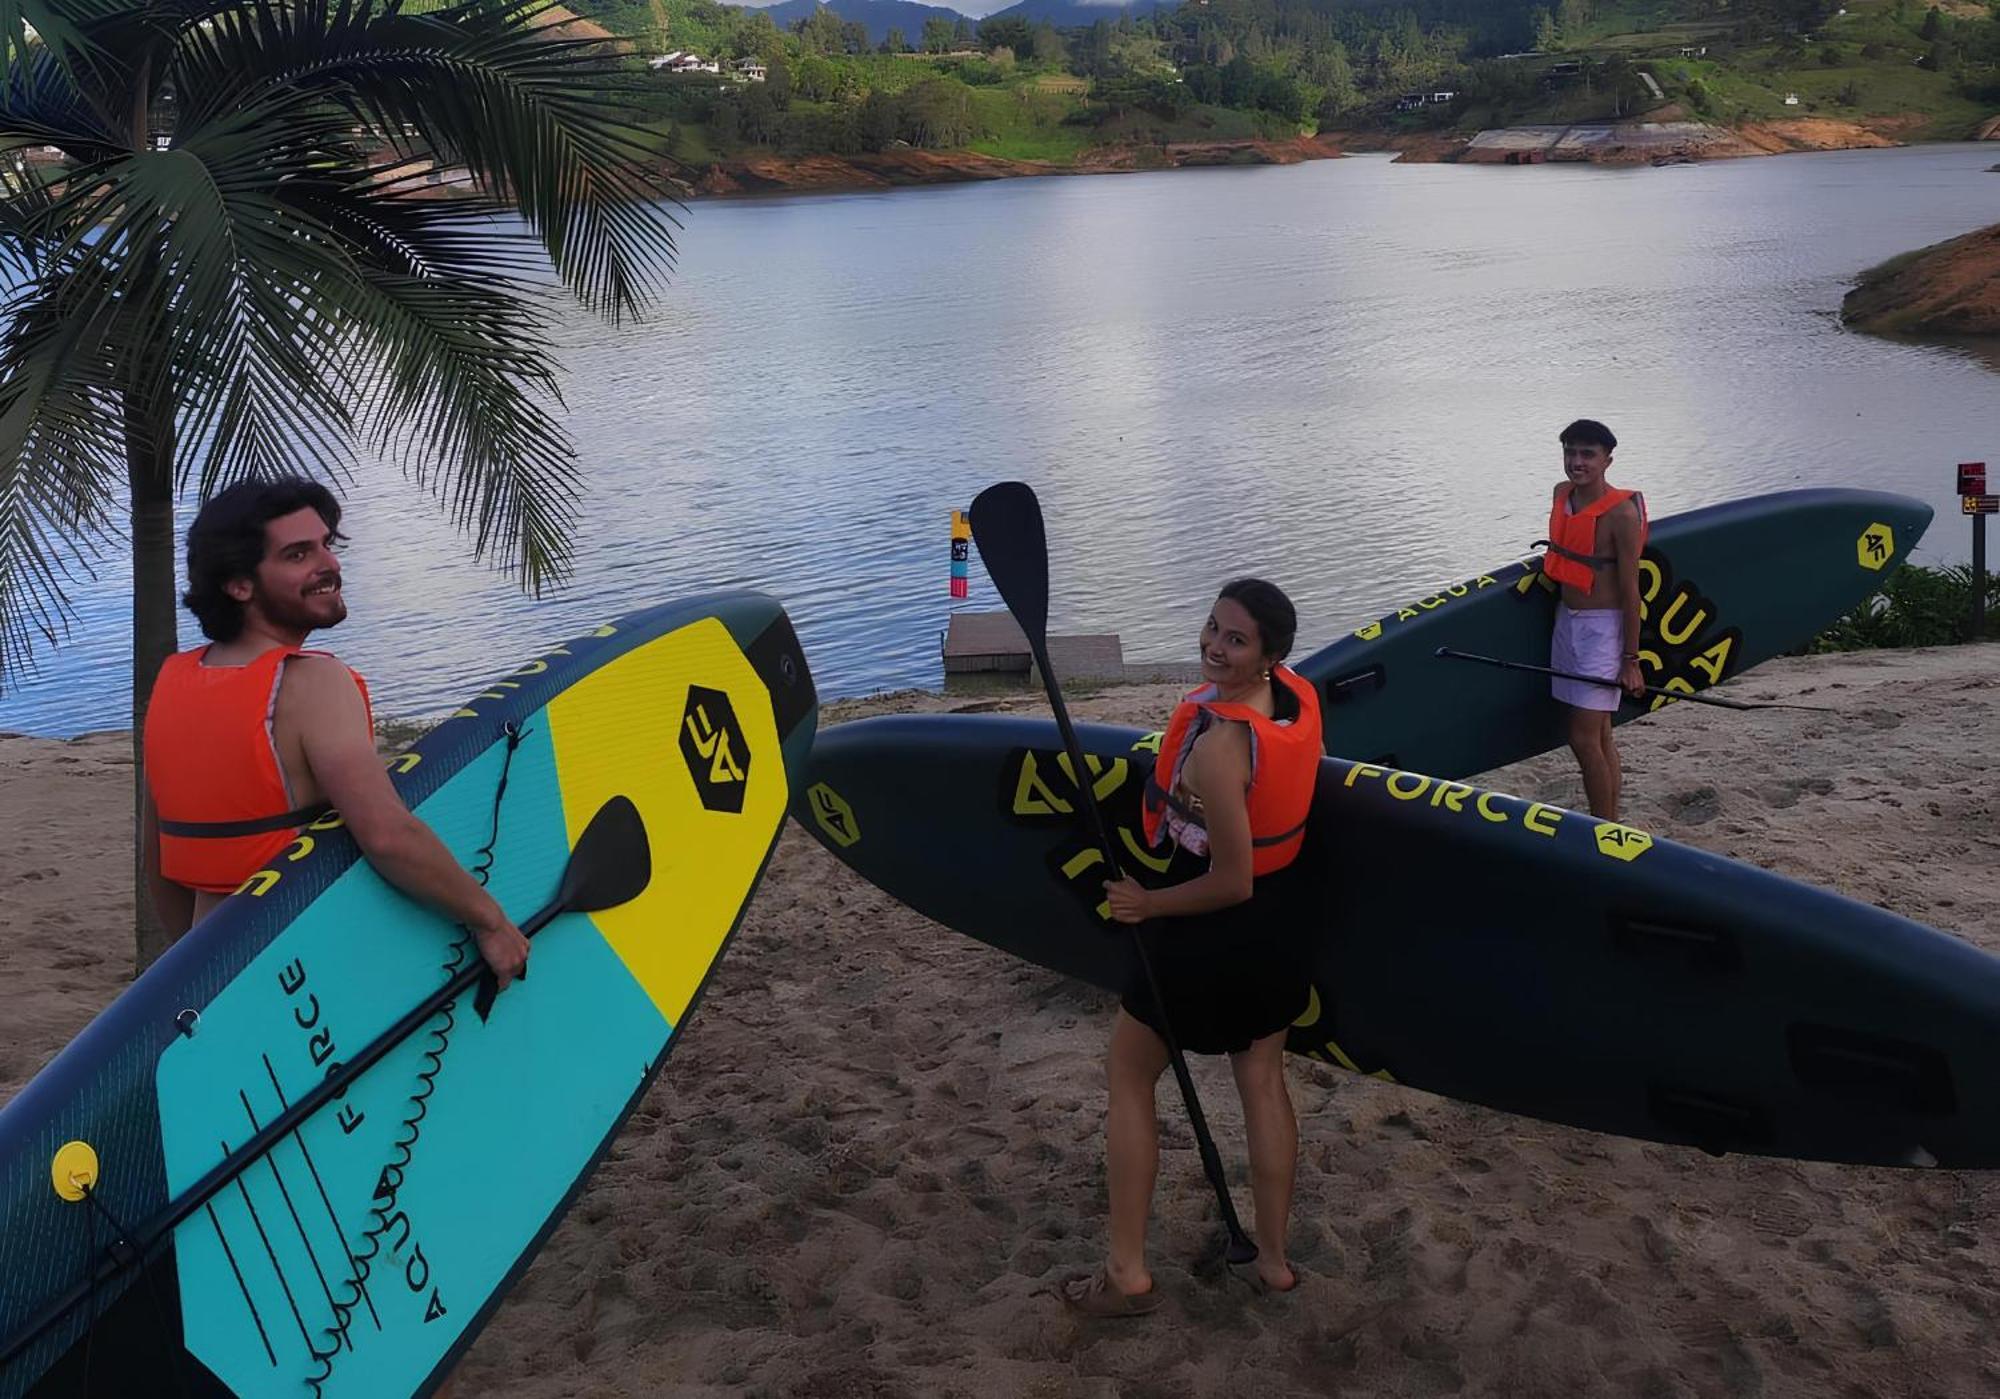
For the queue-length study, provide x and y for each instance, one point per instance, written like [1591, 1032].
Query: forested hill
[845, 79]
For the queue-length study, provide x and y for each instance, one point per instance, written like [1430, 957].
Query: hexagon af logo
[1876, 547]
[1621, 842]
[718, 756]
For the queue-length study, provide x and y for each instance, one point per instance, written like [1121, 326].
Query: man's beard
[289, 612]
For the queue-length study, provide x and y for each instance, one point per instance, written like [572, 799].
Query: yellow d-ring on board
[74, 1170]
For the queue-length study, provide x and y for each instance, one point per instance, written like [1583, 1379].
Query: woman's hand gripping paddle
[1007, 527]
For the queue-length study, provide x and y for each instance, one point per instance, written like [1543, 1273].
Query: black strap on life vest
[1587, 560]
[256, 826]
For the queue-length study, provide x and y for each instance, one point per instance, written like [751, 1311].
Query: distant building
[681, 61]
[1694, 50]
[1791, 99]
[748, 70]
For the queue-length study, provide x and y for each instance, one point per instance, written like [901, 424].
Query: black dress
[1231, 976]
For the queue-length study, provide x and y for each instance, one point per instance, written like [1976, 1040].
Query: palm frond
[275, 274]
[61, 464]
[542, 120]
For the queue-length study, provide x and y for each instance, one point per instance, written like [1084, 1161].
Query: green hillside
[1242, 69]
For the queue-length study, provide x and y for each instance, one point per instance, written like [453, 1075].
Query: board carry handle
[611, 864]
[1013, 543]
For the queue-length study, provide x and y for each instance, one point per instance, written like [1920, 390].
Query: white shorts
[1587, 643]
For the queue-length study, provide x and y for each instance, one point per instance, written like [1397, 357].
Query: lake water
[1346, 375]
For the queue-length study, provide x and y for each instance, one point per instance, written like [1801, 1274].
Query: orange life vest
[1572, 557]
[1284, 763]
[212, 768]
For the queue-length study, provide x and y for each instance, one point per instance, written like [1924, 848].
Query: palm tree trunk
[149, 464]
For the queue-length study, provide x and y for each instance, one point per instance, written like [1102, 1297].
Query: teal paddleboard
[1492, 950]
[1722, 589]
[361, 1253]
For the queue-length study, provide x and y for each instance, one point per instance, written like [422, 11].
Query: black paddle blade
[1007, 527]
[612, 863]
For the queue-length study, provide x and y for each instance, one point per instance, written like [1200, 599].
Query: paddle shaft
[131, 1251]
[1031, 611]
[1720, 703]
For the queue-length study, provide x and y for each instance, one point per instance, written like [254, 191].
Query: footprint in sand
[1695, 806]
[1787, 794]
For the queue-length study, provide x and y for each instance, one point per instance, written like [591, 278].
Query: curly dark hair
[1277, 620]
[226, 542]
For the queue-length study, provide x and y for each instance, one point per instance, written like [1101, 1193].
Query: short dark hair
[1277, 620]
[226, 542]
[1588, 432]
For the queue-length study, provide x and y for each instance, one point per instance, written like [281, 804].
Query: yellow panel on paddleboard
[683, 727]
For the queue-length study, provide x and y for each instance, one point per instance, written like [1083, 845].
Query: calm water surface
[1346, 375]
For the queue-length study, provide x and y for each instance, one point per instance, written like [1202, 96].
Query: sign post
[1974, 501]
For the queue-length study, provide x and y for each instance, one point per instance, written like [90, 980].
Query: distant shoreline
[1664, 138]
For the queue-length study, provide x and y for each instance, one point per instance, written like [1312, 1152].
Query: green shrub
[1917, 607]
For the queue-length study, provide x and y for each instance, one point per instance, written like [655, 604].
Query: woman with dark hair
[1233, 781]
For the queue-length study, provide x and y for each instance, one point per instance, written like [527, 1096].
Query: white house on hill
[681, 61]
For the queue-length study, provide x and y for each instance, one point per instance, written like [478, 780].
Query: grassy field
[1863, 64]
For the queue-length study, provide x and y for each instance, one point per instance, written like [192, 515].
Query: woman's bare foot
[1132, 1282]
[1276, 1277]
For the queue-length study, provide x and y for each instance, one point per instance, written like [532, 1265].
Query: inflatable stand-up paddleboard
[153, 1242]
[1723, 588]
[1492, 950]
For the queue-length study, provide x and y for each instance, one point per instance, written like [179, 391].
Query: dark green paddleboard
[1725, 588]
[1492, 950]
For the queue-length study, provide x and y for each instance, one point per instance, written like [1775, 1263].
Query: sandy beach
[878, 1145]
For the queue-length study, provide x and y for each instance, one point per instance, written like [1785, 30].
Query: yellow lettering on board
[1108, 779]
[1649, 583]
[1081, 861]
[1667, 632]
[1423, 786]
[301, 846]
[1679, 685]
[1154, 862]
[1406, 614]
[1033, 796]
[1362, 770]
[259, 884]
[1537, 813]
[1714, 660]
[1308, 1017]
[1150, 743]
[1488, 812]
[1451, 796]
